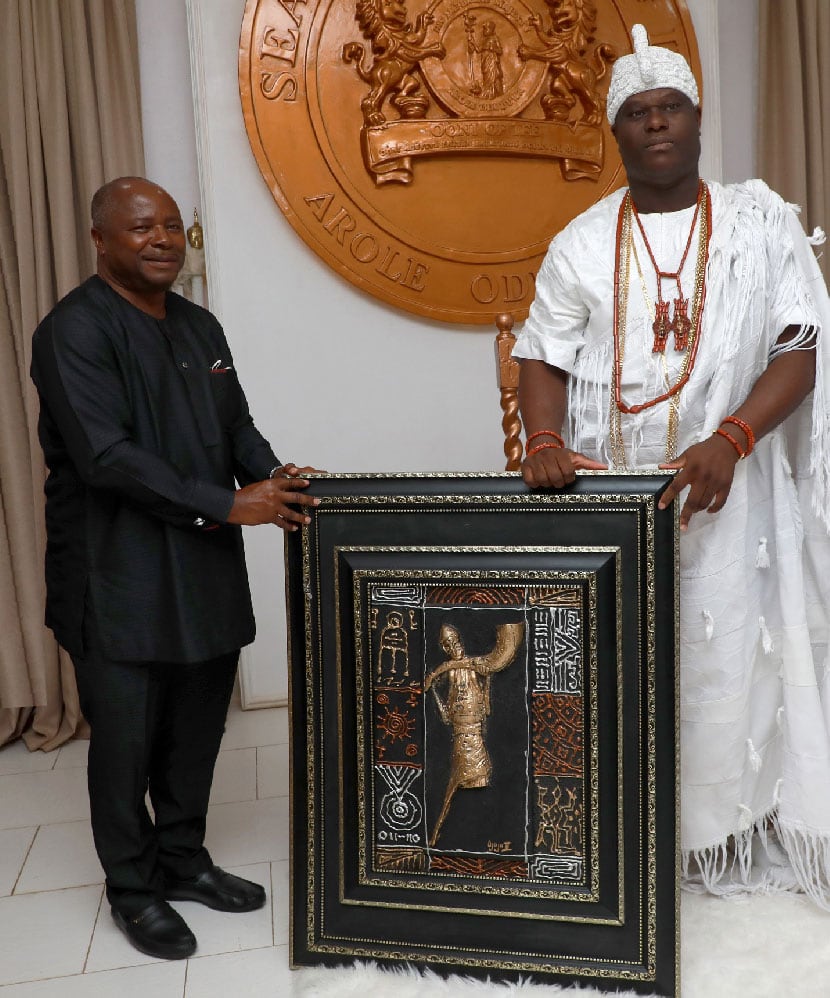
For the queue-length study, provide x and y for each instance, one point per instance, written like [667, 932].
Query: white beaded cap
[649, 67]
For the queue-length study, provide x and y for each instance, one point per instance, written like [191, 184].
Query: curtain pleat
[794, 107]
[70, 119]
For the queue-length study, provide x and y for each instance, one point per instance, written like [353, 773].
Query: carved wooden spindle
[508, 378]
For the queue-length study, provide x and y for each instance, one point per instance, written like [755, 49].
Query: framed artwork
[484, 727]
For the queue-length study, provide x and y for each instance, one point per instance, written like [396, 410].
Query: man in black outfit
[146, 432]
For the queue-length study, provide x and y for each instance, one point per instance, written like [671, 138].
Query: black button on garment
[184, 363]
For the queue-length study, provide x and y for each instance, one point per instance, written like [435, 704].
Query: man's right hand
[556, 467]
[543, 397]
[271, 501]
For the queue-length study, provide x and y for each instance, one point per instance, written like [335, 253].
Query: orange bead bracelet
[728, 436]
[538, 447]
[750, 436]
[544, 433]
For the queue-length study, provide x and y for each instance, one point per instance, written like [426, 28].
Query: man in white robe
[746, 376]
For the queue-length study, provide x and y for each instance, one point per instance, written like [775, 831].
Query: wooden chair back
[507, 369]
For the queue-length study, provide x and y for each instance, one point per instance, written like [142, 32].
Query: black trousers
[154, 726]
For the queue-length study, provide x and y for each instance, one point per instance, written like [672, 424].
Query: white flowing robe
[754, 577]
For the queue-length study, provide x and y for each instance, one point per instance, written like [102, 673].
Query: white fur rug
[767, 946]
[366, 981]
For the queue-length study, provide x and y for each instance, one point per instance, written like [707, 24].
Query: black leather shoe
[217, 889]
[157, 930]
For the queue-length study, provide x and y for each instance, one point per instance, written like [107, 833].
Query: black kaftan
[144, 427]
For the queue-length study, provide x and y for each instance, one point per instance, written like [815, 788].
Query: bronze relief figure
[467, 706]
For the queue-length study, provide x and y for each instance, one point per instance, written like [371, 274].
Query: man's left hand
[292, 471]
[707, 467]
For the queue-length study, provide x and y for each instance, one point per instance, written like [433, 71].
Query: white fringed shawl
[754, 578]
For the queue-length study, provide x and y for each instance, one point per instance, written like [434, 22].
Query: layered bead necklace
[686, 329]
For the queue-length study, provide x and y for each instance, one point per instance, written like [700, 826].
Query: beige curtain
[794, 102]
[69, 120]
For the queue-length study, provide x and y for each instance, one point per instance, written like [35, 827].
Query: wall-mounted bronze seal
[428, 150]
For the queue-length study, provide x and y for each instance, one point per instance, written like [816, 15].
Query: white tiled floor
[58, 940]
[57, 937]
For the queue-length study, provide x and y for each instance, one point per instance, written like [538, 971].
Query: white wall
[167, 101]
[334, 377]
[738, 30]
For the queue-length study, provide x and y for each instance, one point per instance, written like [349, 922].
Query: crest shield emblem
[428, 150]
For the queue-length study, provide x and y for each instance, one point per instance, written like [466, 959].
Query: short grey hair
[104, 199]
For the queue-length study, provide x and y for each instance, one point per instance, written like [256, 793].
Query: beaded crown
[649, 67]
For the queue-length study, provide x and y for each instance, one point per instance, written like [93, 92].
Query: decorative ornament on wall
[191, 282]
[428, 150]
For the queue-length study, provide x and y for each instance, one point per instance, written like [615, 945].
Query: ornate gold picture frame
[483, 726]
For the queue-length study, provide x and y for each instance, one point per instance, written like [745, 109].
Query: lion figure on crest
[397, 48]
[566, 50]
